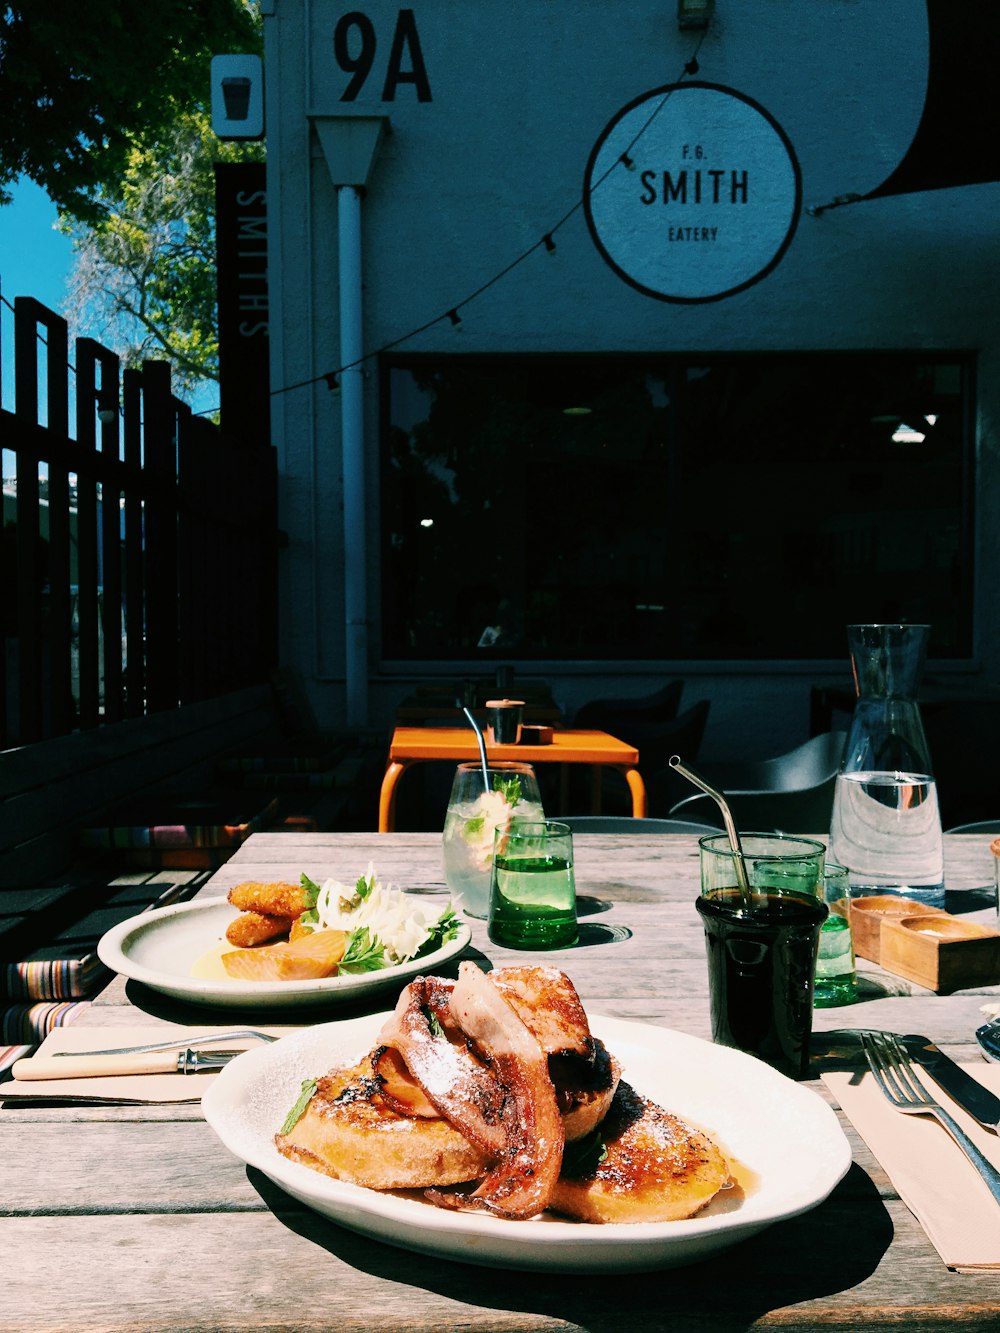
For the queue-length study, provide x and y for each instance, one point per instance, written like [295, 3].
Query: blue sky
[36, 260]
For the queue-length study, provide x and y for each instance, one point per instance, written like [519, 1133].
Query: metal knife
[188, 1061]
[174, 1045]
[971, 1096]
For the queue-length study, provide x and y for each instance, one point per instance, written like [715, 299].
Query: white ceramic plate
[160, 948]
[783, 1134]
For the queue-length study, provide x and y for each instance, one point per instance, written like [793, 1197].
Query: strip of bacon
[521, 1183]
[548, 1004]
[464, 1091]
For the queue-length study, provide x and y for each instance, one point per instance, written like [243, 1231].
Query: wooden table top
[567, 747]
[138, 1218]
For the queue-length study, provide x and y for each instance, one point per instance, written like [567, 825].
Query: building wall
[464, 183]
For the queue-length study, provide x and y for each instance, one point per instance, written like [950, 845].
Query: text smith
[695, 187]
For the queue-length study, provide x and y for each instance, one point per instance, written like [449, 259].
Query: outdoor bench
[99, 825]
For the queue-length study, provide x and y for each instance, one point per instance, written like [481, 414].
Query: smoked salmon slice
[303, 959]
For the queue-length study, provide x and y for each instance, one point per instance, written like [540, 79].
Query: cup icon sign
[236, 96]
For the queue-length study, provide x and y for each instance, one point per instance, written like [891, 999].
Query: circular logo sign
[692, 192]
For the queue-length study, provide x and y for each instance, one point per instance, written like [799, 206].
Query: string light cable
[545, 242]
[453, 314]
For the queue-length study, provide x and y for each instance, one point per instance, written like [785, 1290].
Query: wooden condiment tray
[924, 944]
[941, 952]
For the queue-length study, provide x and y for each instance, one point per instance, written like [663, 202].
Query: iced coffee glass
[762, 944]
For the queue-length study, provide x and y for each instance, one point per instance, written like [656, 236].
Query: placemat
[932, 1175]
[130, 1089]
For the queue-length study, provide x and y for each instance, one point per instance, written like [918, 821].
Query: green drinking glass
[533, 889]
[836, 975]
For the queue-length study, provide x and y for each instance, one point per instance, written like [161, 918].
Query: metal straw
[482, 745]
[734, 838]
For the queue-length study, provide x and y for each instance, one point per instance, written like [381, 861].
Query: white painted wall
[521, 90]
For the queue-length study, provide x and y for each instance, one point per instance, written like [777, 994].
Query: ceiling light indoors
[904, 434]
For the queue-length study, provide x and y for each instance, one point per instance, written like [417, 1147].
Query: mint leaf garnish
[584, 1156]
[433, 1022]
[299, 1109]
[509, 788]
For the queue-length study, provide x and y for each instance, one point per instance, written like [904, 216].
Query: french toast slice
[584, 1089]
[351, 1132]
[655, 1168]
[347, 1131]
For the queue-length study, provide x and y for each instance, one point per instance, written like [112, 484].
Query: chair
[978, 826]
[607, 714]
[790, 793]
[656, 740]
[626, 824]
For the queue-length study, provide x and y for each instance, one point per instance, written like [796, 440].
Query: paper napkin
[932, 1175]
[124, 1089]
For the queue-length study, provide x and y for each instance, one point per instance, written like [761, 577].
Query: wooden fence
[139, 551]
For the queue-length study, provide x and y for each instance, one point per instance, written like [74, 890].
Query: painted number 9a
[355, 45]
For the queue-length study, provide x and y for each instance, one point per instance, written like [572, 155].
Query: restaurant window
[673, 507]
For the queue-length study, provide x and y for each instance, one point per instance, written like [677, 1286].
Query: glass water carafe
[886, 826]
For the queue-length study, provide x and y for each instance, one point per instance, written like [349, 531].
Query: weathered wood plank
[110, 1162]
[163, 1230]
[286, 1269]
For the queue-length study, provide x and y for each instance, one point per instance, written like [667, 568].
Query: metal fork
[896, 1077]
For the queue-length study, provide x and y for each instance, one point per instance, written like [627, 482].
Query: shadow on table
[588, 906]
[831, 1249]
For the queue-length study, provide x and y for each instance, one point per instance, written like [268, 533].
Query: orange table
[411, 745]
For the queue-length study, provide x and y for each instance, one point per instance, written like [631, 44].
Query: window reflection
[672, 508]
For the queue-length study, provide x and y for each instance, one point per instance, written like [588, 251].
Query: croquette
[276, 899]
[252, 928]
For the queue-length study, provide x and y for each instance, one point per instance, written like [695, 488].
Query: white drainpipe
[352, 417]
[350, 143]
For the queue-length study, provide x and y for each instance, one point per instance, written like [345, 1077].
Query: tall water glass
[476, 809]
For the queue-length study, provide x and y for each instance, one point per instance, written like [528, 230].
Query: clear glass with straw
[484, 796]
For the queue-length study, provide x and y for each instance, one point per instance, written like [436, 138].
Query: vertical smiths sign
[241, 257]
[692, 193]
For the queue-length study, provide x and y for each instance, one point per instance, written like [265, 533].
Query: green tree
[144, 279]
[82, 85]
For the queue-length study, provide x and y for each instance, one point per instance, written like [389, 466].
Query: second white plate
[160, 948]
